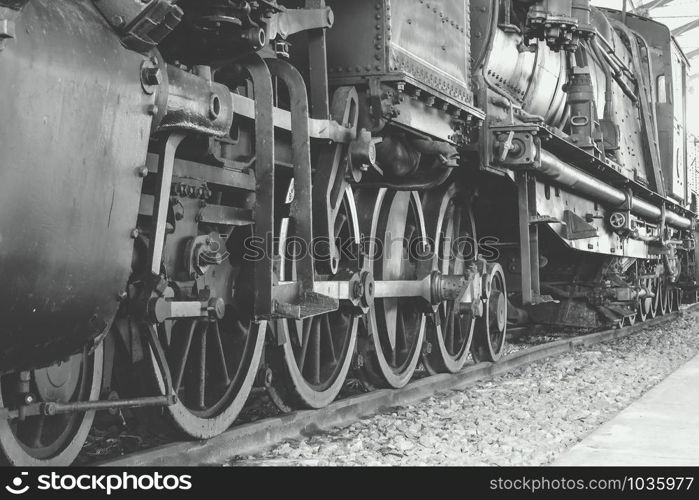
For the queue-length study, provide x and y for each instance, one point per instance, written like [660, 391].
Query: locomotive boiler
[204, 196]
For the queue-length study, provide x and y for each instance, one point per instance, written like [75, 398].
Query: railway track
[254, 437]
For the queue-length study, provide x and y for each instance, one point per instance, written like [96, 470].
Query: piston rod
[557, 171]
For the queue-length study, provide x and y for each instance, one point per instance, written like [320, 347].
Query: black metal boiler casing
[75, 129]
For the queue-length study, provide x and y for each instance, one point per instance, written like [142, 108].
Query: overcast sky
[675, 14]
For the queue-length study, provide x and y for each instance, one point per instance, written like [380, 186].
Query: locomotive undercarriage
[289, 233]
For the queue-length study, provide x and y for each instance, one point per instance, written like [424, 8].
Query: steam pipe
[580, 182]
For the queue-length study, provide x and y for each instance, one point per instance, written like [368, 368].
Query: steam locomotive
[204, 196]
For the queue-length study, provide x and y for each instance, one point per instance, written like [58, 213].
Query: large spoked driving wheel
[310, 368]
[451, 332]
[50, 440]
[213, 364]
[491, 328]
[395, 327]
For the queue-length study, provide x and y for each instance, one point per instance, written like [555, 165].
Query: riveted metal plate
[407, 40]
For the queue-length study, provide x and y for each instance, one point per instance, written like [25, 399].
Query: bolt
[152, 110]
[151, 76]
[118, 21]
[142, 171]
[7, 29]
[122, 296]
[135, 233]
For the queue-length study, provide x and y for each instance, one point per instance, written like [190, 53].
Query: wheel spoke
[329, 335]
[449, 333]
[184, 355]
[316, 352]
[305, 340]
[201, 393]
[401, 335]
[218, 343]
[38, 431]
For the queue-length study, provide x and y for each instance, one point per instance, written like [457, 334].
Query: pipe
[580, 182]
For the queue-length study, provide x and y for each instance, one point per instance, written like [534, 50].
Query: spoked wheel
[395, 327]
[310, 368]
[52, 440]
[450, 333]
[491, 327]
[212, 361]
[213, 364]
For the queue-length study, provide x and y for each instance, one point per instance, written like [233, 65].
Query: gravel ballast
[526, 417]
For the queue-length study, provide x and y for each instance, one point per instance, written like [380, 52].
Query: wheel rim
[450, 337]
[52, 440]
[491, 328]
[309, 370]
[395, 327]
[664, 302]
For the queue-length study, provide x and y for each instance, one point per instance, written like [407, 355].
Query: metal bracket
[161, 200]
[515, 147]
[141, 26]
[293, 21]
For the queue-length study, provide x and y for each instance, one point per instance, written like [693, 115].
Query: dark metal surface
[75, 131]
[265, 190]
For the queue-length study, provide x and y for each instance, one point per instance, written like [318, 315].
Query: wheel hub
[57, 383]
